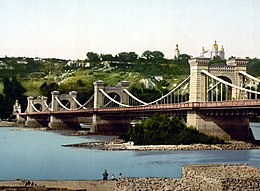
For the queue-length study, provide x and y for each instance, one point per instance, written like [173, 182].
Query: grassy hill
[79, 75]
[76, 76]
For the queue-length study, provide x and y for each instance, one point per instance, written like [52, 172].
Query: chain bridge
[216, 99]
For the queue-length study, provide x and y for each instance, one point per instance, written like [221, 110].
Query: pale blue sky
[71, 28]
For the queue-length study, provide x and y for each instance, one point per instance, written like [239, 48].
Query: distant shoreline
[119, 145]
[7, 124]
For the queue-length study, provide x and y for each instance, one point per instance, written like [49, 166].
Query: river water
[38, 155]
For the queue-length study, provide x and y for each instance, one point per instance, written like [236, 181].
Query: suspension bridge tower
[104, 96]
[218, 82]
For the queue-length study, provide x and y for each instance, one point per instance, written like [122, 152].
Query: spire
[177, 51]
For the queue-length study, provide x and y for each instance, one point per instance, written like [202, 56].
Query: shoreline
[7, 124]
[116, 144]
[120, 145]
[202, 177]
[54, 185]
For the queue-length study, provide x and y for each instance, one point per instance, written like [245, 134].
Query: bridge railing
[227, 103]
[174, 106]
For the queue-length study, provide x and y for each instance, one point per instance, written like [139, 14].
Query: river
[38, 155]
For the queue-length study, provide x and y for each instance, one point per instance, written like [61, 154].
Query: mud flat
[120, 145]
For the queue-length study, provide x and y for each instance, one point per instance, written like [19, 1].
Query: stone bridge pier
[112, 123]
[226, 126]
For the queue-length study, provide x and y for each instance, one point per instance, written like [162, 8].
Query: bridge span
[216, 99]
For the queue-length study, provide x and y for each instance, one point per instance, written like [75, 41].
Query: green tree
[13, 90]
[157, 55]
[46, 89]
[161, 129]
[80, 83]
[147, 55]
[2, 105]
[253, 67]
[132, 56]
[217, 60]
[93, 57]
[123, 56]
[127, 56]
[107, 57]
[146, 95]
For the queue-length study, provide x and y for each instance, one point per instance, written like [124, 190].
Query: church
[214, 52]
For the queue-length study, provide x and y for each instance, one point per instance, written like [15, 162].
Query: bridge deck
[248, 106]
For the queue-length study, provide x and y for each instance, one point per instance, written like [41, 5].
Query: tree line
[126, 56]
[13, 90]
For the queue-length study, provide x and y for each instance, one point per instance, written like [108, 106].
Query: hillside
[80, 75]
[150, 77]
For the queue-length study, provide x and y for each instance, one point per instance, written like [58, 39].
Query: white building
[24, 62]
[214, 52]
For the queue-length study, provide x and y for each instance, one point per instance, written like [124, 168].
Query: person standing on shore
[105, 175]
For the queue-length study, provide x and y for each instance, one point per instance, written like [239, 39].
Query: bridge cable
[135, 98]
[164, 96]
[110, 101]
[105, 94]
[227, 83]
[47, 106]
[249, 76]
[33, 106]
[83, 106]
[61, 104]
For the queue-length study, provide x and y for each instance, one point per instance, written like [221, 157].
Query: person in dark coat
[105, 175]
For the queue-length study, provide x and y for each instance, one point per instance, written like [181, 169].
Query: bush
[164, 130]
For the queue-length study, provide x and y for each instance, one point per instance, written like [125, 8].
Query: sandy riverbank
[204, 177]
[87, 185]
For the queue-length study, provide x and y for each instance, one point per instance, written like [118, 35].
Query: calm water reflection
[39, 155]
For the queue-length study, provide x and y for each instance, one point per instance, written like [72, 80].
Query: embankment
[214, 177]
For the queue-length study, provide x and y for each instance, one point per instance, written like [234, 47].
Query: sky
[70, 28]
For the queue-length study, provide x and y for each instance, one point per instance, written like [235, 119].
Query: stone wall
[222, 177]
[213, 177]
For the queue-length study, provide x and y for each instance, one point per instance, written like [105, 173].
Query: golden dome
[215, 46]
[222, 48]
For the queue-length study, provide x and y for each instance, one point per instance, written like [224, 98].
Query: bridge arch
[199, 81]
[63, 101]
[109, 103]
[37, 104]
[99, 97]
[217, 91]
